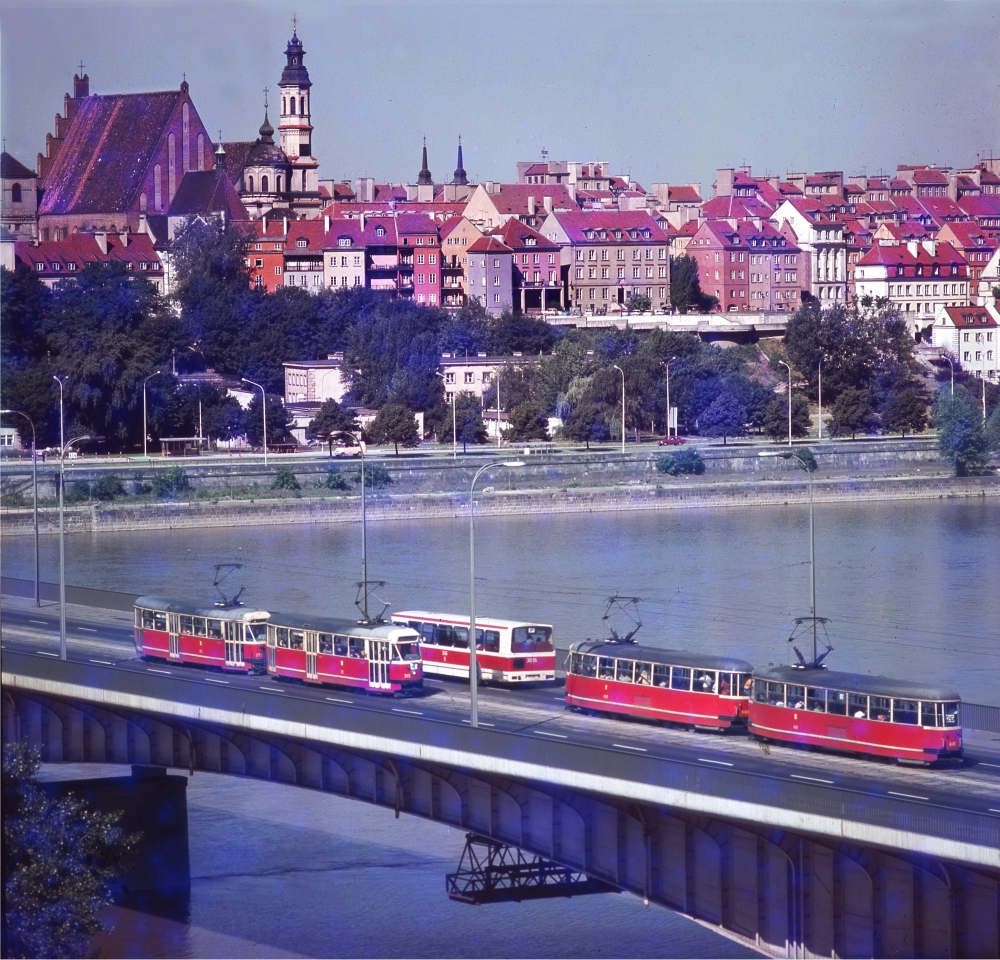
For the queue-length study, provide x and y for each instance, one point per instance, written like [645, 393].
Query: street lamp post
[62, 548]
[263, 403]
[667, 366]
[473, 669]
[789, 369]
[821, 358]
[34, 494]
[622, 372]
[145, 454]
[950, 364]
[62, 439]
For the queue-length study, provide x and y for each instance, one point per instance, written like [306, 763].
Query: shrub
[285, 479]
[334, 480]
[109, 487]
[376, 476]
[170, 482]
[684, 461]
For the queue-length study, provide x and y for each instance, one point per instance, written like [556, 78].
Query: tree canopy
[395, 424]
[962, 437]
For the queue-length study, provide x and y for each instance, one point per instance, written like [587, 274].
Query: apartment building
[971, 335]
[457, 235]
[537, 281]
[490, 270]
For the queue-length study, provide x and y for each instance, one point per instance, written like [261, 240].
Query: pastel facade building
[419, 252]
[313, 381]
[457, 235]
[490, 272]
[305, 243]
[344, 255]
[264, 250]
[493, 204]
[18, 199]
[537, 280]
[821, 237]
[971, 335]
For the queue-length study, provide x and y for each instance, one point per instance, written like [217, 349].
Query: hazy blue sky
[666, 91]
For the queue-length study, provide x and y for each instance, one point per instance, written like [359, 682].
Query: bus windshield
[531, 640]
[407, 651]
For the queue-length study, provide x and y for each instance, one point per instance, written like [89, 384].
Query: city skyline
[385, 75]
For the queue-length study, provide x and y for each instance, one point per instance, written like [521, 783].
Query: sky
[664, 91]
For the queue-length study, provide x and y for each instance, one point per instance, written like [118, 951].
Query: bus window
[443, 635]
[725, 684]
[147, 619]
[951, 715]
[705, 681]
[836, 702]
[296, 639]
[282, 636]
[589, 666]
[775, 694]
[407, 651]
[878, 708]
[904, 711]
[661, 675]
[796, 696]
[531, 640]
[326, 643]
[760, 691]
[460, 637]
[857, 705]
[426, 631]
[340, 647]
[606, 669]
[200, 627]
[680, 678]
[625, 670]
[643, 673]
[816, 699]
[159, 621]
[187, 625]
[492, 640]
[356, 647]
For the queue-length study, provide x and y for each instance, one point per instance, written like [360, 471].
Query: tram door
[379, 654]
[271, 637]
[174, 630]
[312, 648]
[233, 632]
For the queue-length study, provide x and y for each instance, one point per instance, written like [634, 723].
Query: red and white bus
[377, 657]
[856, 713]
[507, 651]
[230, 637]
[693, 689]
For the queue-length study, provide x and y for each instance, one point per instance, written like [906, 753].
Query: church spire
[424, 178]
[460, 174]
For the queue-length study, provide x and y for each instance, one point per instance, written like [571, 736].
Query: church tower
[294, 128]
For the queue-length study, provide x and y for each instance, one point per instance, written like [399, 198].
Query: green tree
[59, 858]
[685, 289]
[527, 421]
[961, 436]
[992, 430]
[468, 419]
[168, 483]
[682, 462]
[586, 421]
[331, 419]
[638, 303]
[335, 480]
[775, 419]
[376, 476]
[285, 479]
[906, 409]
[278, 422]
[396, 425]
[109, 486]
[725, 417]
[852, 412]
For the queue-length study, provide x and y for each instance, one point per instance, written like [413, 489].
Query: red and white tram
[230, 637]
[672, 685]
[507, 651]
[377, 657]
[856, 713]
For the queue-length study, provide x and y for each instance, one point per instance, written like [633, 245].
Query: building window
[496, 297]
[277, 271]
[420, 258]
[258, 262]
[420, 278]
[470, 378]
[15, 193]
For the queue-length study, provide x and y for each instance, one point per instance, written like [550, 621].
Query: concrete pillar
[602, 840]
[507, 818]
[119, 740]
[95, 741]
[52, 736]
[569, 835]
[335, 778]
[704, 876]
[739, 876]
[818, 886]
[932, 912]
[209, 748]
[258, 760]
[976, 932]
[854, 933]
[774, 892]
[139, 750]
[311, 771]
[671, 885]
[73, 748]
[477, 806]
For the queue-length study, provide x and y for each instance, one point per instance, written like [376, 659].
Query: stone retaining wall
[670, 495]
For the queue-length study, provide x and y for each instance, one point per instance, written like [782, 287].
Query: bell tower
[294, 127]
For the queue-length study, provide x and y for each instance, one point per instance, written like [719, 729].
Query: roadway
[104, 637]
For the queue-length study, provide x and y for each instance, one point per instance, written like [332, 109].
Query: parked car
[671, 441]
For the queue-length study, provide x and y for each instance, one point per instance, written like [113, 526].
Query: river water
[911, 588]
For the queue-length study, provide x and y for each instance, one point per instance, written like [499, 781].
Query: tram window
[624, 670]
[643, 673]
[296, 639]
[589, 668]
[282, 636]
[187, 625]
[796, 696]
[138, 617]
[775, 694]
[356, 647]
[816, 699]
[215, 629]
[725, 684]
[406, 651]
[340, 645]
[744, 683]
[904, 711]
[607, 668]
[159, 621]
[760, 691]
[929, 715]
[951, 715]
[253, 633]
[680, 678]
[531, 640]
[147, 619]
[857, 705]
[326, 643]
[661, 675]
[836, 702]
[878, 708]
[200, 627]
[492, 640]
[705, 681]
[576, 664]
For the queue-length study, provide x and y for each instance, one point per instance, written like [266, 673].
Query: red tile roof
[683, 195]
[576, 225]
[82, 249]
[970, 316]
[735, 208]
[513, 198]
[515, 234]
[206, 192]
[927, 177]
[489, 245]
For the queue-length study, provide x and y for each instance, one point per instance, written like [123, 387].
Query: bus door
[379, 654]
[233, 633]
[174, 630]
[312, 648]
